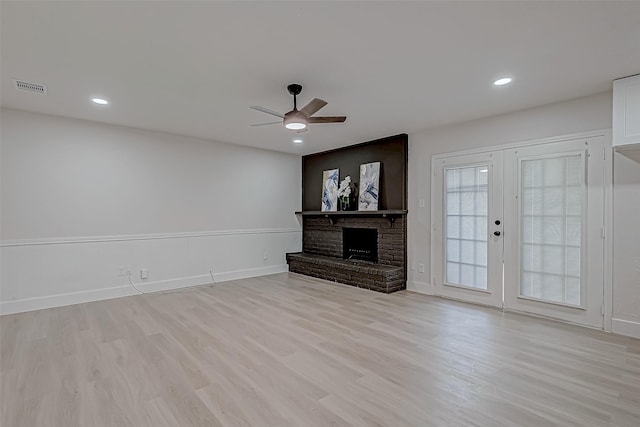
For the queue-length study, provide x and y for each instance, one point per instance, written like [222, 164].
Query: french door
[469, 251]
[521, 228]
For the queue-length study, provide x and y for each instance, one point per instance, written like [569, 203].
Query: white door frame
[608, 204]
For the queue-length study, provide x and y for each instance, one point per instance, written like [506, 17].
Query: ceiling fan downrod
[294, 89]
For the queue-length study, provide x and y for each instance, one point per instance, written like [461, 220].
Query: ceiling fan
[298, 120]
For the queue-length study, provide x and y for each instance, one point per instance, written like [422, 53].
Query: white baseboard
[420, 287]
[50, 301]
[625, 327]
[172, 284]
[250, 272]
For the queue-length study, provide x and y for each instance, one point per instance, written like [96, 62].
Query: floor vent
[31, 87]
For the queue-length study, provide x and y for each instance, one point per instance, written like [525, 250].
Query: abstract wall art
[330, 190]
[369, 186]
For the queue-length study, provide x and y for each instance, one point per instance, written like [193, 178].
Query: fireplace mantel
[390, 214]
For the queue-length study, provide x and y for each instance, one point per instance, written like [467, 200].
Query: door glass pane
[551, 208]
[466, 204]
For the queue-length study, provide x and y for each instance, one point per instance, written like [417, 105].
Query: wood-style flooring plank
[290, 350]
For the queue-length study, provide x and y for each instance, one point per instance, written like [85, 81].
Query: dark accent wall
[391, 152]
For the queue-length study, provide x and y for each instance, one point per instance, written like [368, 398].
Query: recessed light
[297, 141]
[503, 81]
[100, 101]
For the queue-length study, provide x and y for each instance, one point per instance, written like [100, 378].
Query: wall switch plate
[144, 273]
[421, 268]
[265, 256]
[422, 203]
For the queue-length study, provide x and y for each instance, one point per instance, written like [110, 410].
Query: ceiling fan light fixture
[295, 121]
[295, 126]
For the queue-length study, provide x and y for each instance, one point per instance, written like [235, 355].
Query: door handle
[496, 233]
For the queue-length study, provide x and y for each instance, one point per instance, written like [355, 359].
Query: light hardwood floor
[288, 350]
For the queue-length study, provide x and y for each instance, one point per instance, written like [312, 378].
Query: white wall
[580, 115]
[82, 199]
[626, 250]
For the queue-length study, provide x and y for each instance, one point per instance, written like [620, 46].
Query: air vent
[31, 87]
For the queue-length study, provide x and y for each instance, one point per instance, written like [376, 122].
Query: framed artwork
[330, 190]
[369, 186]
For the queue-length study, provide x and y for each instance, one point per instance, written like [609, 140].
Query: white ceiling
[194, 68]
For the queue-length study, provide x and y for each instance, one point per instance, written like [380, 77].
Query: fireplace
[360, 244]
[326, 242]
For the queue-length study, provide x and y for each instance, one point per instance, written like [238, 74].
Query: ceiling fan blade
[270, 123]
[331, 119]
[313, 107]
[268, 111]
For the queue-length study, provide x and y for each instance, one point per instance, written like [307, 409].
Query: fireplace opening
[360, 243]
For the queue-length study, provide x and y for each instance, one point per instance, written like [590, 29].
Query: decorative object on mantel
[344, 193]
[369, 186]
[330, 190]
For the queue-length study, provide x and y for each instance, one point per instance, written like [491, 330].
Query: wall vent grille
[31, 87]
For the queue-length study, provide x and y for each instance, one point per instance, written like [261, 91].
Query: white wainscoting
[46, 273]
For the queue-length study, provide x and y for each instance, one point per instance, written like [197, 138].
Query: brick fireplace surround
[322, 254]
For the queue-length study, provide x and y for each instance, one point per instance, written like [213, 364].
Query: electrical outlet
[144, 273]
[421, 268]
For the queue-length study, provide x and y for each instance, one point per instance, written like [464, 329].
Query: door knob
[496, 233]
